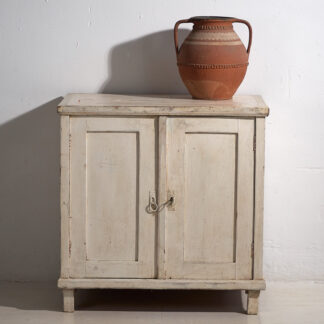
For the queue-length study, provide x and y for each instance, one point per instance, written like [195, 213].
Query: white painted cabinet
[161, 193]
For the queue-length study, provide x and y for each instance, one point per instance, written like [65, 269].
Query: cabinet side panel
[112, 196]
[78, 197]
[209, 219]
[65, 195]
[259, 188]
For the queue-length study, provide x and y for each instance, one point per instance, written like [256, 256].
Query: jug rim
[210, 18]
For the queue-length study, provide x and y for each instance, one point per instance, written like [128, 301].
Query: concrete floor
[281, 303]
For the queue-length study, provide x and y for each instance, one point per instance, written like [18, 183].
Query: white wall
[52, 47]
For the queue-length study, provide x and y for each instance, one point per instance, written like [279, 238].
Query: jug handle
[175, 33]
[250, 32]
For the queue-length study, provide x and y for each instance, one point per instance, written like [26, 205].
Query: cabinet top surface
[150, 105]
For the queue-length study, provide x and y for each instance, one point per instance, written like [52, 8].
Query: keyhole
[153, 204]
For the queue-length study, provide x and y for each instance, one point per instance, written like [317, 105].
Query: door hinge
[254, 143]
[252, 250]
[70, 244]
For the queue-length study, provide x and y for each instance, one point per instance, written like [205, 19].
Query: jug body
[212, 61]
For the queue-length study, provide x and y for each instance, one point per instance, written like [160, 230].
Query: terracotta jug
[212, 60]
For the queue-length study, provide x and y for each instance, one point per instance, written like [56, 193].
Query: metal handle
[154, 208]
[175, 33]
[250, 32]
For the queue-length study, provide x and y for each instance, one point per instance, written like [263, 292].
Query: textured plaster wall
[49, 48]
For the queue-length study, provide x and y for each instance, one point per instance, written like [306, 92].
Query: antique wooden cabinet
[161, 192]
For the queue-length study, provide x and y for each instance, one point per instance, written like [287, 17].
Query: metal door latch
[154, 208]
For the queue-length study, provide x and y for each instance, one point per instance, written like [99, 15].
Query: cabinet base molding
[252, 287]
[161, 284]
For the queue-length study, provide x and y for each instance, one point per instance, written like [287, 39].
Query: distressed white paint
[162, 284]
[50, 48]
[209, 169]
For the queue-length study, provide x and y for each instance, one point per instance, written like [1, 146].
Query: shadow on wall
[29, 159]
[45, 296]
[29, 195]
[145, 65]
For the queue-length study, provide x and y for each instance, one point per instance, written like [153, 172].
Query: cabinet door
[112, 173]
[210, 163]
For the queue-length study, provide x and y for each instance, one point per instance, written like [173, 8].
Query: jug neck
[212, 23]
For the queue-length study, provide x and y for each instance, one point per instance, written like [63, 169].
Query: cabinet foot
[253, 302]
[68, 300]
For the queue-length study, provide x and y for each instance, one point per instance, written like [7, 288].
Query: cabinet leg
[68, 300]
[253, 302]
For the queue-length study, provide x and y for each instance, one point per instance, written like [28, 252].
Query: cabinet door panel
[205, 241]
[210, 170]
[112, 185]
[112, 173]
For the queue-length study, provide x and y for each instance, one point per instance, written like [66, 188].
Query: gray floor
[301, 302]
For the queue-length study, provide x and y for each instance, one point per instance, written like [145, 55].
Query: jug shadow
[146, 65]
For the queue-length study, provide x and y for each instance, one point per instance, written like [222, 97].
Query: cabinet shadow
[29, 195]
[161, 300]
[146, 65]
[46, 296]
